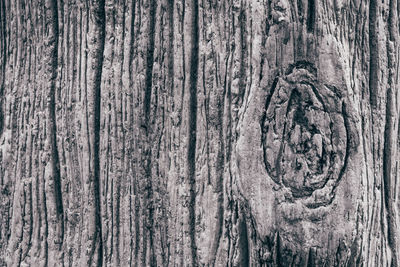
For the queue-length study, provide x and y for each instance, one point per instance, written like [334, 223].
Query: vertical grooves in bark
[243, 46]
[388, 152]
[311, 15]
[387, 175]
[99, 20]
[53, 125]
[149, 62]
[30, 219]
[219, 181]
[310, 258]
[171, 44]
[171, 108]
[229, 135]
[121, 183]
[46, 224]
[182, 32]
[373, 53]
[206, 119]
[192, 124]
[3, 61]
[132, 42]
[148, 202]
[134, 183]
[21, 237]
[243, 243]
[277, 251]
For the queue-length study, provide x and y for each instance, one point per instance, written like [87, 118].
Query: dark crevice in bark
[373, 53]
[149, 217]
[46, 224]
[38, 209]
[388, 151]
[300, 11]
[132, 36]
[341, 254]
[137, 223]
[182, 32]
[263, 119]
[134, 222]
[243, 243]
[99, 20]
[137, 159]
[3, 62]
[310, 258]
[192, 128]
[351, 143]
[149, 63]
[311, 15]
[243, 54]
[30, 219]
[148, 224]
[117, 222]
[229, 143]
[277, 251]
[171, 72]
[53, 118]
[20, 239]
[207, 121]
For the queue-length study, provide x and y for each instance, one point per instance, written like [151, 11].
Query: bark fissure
[4, 63]
[171, 71]
[53, 119]
[192, 128]
[149, 63]
[99, 16]
[373, 54]
[46, 224]
[147, 124]
[311, 15]
[244, 253]
[132, 41]
[388, 151]
[243, 54]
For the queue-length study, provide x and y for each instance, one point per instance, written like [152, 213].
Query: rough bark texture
[199, 133]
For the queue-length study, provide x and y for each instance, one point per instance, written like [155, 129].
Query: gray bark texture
[199, 133]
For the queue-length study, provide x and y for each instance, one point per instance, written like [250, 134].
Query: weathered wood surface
[199, 133]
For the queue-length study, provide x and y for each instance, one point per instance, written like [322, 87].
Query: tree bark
[199, 133]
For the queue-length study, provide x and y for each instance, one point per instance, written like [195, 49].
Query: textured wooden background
[199, 133]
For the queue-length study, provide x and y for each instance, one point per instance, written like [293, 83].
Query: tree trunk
[199, 133]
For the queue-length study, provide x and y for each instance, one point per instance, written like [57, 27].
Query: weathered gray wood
[199, 133]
